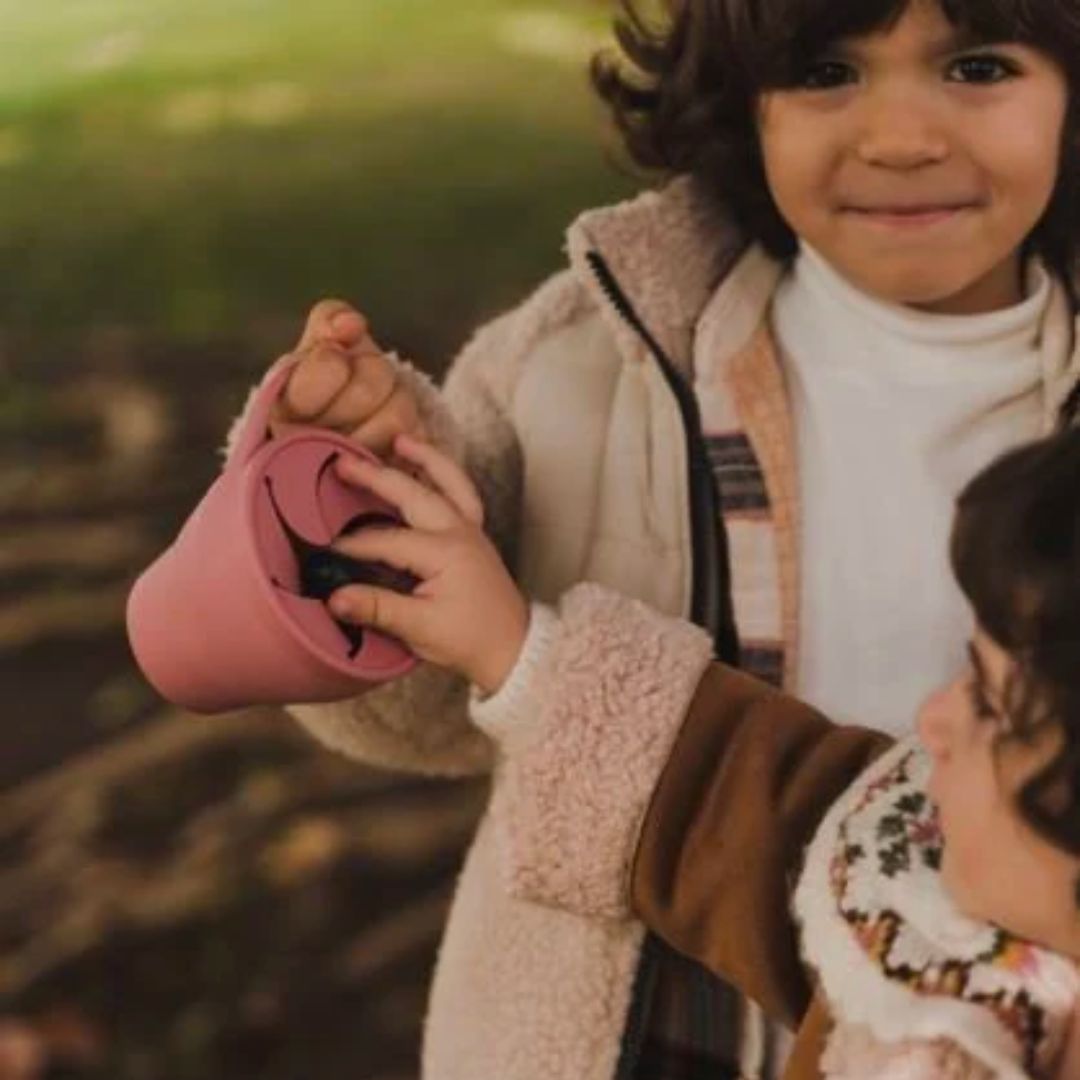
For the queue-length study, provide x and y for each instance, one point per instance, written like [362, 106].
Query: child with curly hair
[748, 404]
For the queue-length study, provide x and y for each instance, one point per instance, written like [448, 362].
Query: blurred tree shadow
[189, 897]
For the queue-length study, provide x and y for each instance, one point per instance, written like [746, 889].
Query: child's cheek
[956, 860]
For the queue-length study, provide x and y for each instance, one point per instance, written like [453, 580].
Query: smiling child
[748, 403]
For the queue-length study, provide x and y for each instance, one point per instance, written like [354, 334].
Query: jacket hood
[668, 250]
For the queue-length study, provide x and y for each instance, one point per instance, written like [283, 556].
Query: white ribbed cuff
[508, 708]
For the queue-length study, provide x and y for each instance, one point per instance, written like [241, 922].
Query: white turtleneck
[895, 410]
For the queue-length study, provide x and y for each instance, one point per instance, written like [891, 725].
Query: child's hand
[467, 612]
[344, 382]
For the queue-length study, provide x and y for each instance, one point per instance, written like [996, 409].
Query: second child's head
[813, 119]
[1005, 736]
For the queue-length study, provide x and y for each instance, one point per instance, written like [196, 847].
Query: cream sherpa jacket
[577, 442]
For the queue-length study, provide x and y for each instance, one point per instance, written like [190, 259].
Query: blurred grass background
[192, 168]
[179, 181]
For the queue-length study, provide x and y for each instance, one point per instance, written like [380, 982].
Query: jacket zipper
[711, 602]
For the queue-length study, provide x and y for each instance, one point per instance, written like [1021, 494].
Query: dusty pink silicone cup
[217, 622]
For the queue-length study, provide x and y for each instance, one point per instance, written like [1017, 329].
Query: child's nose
[934, 724]
[897, 134]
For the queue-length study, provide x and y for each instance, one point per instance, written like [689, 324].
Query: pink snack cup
[217, 621]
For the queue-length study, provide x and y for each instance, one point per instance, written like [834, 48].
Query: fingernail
[339, 605]
[342, 319]
[346, 543]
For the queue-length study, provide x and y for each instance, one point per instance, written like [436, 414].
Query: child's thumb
[316, 379]
[333, 320]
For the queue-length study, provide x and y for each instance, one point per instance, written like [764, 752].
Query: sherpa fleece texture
[581, 765]
[634, 668]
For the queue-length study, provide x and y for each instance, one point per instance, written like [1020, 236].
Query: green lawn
[193, 169]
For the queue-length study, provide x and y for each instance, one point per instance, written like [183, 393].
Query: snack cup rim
[260, 459]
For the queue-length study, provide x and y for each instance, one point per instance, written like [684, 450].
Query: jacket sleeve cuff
[510, 707]
[585, 747]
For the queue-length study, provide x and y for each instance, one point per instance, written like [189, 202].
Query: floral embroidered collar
[895, 955]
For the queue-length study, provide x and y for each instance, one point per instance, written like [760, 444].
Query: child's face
[996, 867]
[910, 118]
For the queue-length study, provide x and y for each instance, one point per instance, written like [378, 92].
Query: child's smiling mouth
[908, 217]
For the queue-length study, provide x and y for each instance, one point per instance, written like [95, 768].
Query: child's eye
[985, 70]
[825, 75]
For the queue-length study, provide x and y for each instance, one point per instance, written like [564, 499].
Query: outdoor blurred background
[180, 180]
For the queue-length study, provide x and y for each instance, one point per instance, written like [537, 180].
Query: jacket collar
[895, 955]
[669, 251]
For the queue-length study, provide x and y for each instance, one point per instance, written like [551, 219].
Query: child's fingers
[420, 553]
[381, 609]
[369, 387]
[447, 476]
[333, 320]
[397, 414]
[315, 381]
[405, 549]
[420, 506]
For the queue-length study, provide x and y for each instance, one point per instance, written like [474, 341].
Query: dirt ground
[181, 897]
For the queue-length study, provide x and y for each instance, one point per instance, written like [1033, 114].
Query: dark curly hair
[685, 84]
[1015, 552]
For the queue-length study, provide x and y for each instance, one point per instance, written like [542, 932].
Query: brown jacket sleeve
[751, 775]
